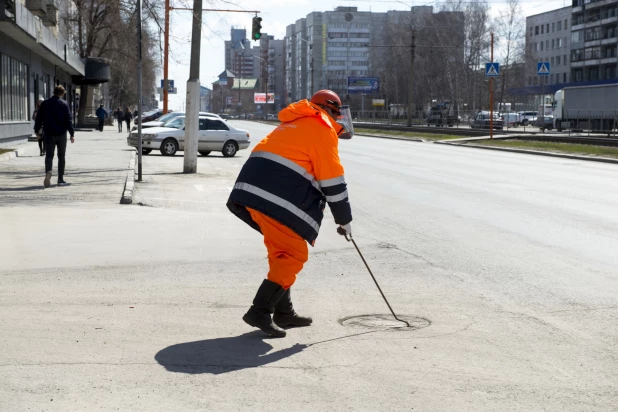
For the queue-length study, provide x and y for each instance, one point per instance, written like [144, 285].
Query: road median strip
[565, 150]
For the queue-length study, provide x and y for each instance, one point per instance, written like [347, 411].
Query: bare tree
[107, 29]
[511, 31]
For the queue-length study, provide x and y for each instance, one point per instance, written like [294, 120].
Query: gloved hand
[345, 229]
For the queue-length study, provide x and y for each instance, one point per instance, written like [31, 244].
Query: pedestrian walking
[127, 118]
[119, 115]
[54, 117]
[101, 115]
[39, 134]
[281, 192]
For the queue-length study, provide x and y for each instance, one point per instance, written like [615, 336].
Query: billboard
[260, 98]
[367, 85]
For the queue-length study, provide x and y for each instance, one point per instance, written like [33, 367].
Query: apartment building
[324, 49]
[240, 55]
[594, 31]
[548, 39]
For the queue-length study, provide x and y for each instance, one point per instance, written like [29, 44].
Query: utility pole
[193, 93]
[491, 94]
[166, 47]
[139, 90]
[411, 79]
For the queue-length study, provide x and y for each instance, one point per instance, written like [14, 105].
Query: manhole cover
[385, 321]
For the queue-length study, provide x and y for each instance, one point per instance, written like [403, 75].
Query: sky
[276, 16]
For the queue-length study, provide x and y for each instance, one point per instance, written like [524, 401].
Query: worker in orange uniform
[282, 191]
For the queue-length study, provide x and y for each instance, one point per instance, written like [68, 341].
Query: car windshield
[167, 117]
[176, 123]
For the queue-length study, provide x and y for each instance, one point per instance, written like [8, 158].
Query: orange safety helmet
[327, 98]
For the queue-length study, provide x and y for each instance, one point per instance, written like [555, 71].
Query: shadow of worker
[223, 355]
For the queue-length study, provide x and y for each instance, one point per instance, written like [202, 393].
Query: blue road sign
[543, 69]
[170, 84]
[367, 85]
[492, 69]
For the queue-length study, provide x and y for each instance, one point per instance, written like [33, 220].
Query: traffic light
[257, 27]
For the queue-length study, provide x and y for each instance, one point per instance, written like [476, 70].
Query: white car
[215, 135]
[160, 122]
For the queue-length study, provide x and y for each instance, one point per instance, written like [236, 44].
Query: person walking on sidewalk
[54, 116]
[127, 118]
[39, 135]
[281, 192]
[101, 115]
[119, 115]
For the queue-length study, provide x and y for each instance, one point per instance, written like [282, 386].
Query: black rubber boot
[285, 316]
[264, 303]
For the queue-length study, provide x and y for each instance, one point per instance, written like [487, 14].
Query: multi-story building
[35, 57]
[272, 66]
[548, 39]
[240, 56]
[325, 49]
[594, 36]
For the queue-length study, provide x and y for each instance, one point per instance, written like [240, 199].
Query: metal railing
[588, 121]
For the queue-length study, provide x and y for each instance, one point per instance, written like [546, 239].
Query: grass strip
[398, 133]
[2, 151]
[554, 147]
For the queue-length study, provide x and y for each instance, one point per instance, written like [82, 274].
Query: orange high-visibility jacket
[293, 172]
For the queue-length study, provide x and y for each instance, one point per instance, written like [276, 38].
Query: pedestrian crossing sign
[543, 69]
[492, 69]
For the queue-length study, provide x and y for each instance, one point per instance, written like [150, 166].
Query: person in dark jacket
[40, 140]
[119, 115]
[54, 116]
[101, 115]
[127, 118]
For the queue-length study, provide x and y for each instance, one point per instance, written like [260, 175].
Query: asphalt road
[506, 264]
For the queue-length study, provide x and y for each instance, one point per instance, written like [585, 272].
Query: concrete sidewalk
[96, 170]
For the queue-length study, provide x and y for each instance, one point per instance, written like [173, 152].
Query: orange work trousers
[287, 251]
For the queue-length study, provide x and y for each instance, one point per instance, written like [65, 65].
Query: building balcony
[610, 40]
[30, 31]
[578, 26]
[599, 3]
[592, 43]
[577, 9]
[609, 20]
[577, 64]
[609, 60]
[591, 62]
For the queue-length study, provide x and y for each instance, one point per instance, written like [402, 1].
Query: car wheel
[516, 124]
[169, 147]
[204, 152]
[230, 148]
[146, 151]
[525, 122]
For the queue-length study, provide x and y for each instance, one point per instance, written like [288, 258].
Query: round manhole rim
[416, 322]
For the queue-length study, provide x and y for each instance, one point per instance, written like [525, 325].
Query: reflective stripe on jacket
[293, 172]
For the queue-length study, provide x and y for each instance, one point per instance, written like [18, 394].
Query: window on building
[559, 25]
[546, 44]
[531, 31]
[536, 30]
[552, 61]
[552, 44]
[553, 27]
[13, 90]
[542, 29]
[565, 77]
[557, 60]
[541, 46]
[547, 30]
[577, 36]
[610, 72]
[566, 26]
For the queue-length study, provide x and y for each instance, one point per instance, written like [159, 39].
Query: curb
[13, 154]
[129, 186]
[533, 152]
[412, 139]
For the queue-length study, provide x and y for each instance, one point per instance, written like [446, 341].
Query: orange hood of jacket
[304, 108]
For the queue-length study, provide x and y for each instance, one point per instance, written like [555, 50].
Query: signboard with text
[366, 85]
[259, 98]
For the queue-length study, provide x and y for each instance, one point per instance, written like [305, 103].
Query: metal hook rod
[342, 231]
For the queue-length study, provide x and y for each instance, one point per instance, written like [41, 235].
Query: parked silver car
[215, 135]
